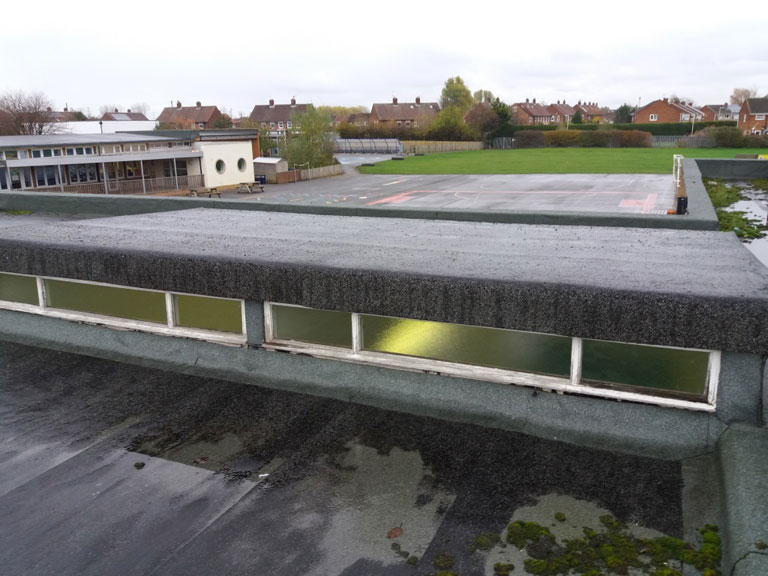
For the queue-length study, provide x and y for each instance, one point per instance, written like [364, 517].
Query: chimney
[66, 108]
[394, 100]
[293, 102]
[129, 110]
[526, 100]
[418, 100]
[271, 103]
[534, 100]
[666, 100]
[198, 104]
[49, 109]
[578, 103]
[178, 104]
[116, 110]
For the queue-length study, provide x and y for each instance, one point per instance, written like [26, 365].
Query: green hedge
[672, 128]
[582, 138]
[664, 129]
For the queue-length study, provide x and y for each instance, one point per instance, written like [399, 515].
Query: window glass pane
[21, 289]
[671, 369]
[47, 152]
[106, 300]
[308, 325]
[217, 314]
[496, 348]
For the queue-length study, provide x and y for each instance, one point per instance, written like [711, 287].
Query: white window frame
[169, 329]
[289, 124]
[653, 117]
[280, 124]
[571, 385]
[760, 117]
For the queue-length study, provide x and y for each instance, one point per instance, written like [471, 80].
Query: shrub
[727, 137]
[529, 139]
[562, 138]
[755, 141]
[595, 139]
[633, 139]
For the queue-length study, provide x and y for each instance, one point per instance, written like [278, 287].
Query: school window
[671, 376]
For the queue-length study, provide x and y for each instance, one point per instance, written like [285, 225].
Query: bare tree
[24, 113]
[740, 95]
[141, 107]
[109, 109]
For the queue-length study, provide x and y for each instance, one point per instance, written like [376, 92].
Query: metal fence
[433, 146]
[693, 141]
[150, 186]
[367, 146]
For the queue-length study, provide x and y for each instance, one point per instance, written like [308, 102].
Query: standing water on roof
[742, 207]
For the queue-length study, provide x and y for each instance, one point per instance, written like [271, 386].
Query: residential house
[753, 116]
[665, 111]
[560, 112]
[124, 116]
[591, 113]
[359, 119]
[275, 119]
[408, 115]
[197, 117]
[529, 112]
[128, 163]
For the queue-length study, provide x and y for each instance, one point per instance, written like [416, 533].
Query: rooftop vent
[178, 104]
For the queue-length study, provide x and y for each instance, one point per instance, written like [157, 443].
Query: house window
[408, 123]
[290, 124]
[272, 125]
[684, 117]
[653, 117]
[263, 124]
[760, 117]
[280, 125]
[201, 125]
[399, 123]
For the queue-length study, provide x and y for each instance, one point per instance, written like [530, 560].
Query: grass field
[552, 161]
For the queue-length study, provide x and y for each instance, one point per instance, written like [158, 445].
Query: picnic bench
[210, 192]
[246, 188]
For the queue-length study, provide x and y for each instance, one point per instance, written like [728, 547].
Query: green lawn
[552, 161]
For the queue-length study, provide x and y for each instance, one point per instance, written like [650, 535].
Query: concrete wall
[231, 153]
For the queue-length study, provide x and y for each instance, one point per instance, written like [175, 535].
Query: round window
[241, 164]
[220, 166]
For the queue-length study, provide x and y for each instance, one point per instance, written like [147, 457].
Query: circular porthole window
[241, 164]
[220, 166]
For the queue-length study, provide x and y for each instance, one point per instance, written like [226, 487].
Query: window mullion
[576, 361]
[169, 313]
[41, 292]
[357, 334]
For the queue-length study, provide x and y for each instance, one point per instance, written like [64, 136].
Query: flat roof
[35, 141]
[686, 288]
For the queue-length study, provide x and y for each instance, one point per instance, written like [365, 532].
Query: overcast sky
[235, 54]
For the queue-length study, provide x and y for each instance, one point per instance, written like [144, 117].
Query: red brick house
[408, 114]
[561, 113]
[197, 117]
[276, 117]
[530, 113]
[665, 111]
[717, 112]
[127, 115]
[591, 113]
[753, 116]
